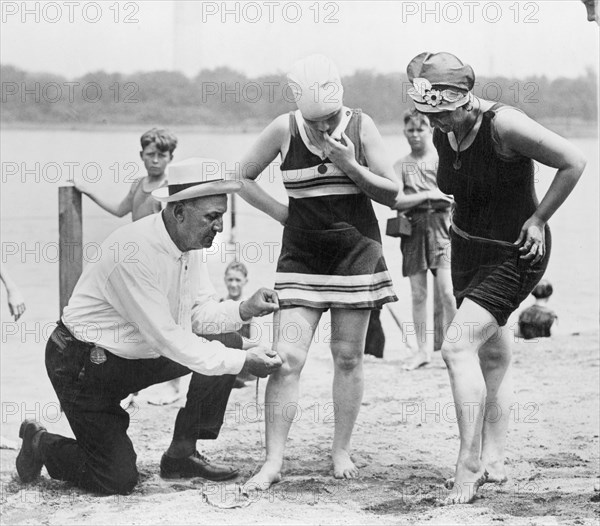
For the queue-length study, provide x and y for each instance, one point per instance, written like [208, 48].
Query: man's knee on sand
[118, 478]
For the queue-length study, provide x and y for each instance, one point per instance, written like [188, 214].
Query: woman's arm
[518, 133]
[378, 180]
[263, 152]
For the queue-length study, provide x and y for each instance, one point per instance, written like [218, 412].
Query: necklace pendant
[322, 169]
[457, 164]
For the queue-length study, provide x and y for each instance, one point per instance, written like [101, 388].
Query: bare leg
[418, 286]
[444, 284]
[347, 347]
[495, 358]
[469, 391]
[294, 330]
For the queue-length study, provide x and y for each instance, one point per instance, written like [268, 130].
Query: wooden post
[232, 233]
[438, 317]
[70, 242]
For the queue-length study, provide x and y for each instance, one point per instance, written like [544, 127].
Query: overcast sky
[510, 38]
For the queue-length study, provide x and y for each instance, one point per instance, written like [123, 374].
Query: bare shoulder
[368, 128]
[509, 119]
[278, 131]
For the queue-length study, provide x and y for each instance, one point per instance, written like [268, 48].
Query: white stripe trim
[296, 175]
[320, 191]
[349, 298]
[321, 279]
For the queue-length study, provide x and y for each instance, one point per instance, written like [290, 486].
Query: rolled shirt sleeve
[134, 292]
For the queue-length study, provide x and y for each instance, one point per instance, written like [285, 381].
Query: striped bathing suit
[331, 255]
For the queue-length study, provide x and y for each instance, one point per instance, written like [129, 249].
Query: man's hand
[261, 361]
[262, 302]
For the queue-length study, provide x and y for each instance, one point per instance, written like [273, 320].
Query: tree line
[227, 98]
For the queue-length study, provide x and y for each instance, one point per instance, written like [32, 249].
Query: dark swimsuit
[493, 197]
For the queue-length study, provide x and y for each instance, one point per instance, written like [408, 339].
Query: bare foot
[419, 359]
[497, 476]
[269, 474]
[165, 393]
[465, 486]
[495, 473]
[343, 467]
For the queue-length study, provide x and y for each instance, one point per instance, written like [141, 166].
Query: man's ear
[179, 211]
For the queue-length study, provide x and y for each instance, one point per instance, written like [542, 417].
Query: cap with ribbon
[440, 82]
[195, 177]
[316, 86]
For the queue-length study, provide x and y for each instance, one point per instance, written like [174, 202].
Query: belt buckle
[97, 355]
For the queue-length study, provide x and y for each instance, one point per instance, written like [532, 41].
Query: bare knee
[292, 365]
[454, 352]
[347, 357]
[492, 356]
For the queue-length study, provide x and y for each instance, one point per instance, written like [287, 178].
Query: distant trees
[224, 97]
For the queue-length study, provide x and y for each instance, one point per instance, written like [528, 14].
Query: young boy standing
[427, 248]
[158, 146]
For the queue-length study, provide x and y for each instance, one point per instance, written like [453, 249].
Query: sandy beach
[405, 443]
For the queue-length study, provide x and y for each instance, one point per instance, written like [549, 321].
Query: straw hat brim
[200, 190]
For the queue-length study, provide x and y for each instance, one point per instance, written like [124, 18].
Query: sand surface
[405, 443]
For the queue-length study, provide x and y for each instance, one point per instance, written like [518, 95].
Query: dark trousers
[102, 457]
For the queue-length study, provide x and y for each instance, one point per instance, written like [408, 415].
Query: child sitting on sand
[536, 321]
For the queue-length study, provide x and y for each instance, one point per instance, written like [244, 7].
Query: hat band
[176, 188]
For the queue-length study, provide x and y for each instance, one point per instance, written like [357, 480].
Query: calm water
[35, 162]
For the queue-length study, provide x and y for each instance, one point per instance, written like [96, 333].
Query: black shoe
[195, 465]
[29, 461]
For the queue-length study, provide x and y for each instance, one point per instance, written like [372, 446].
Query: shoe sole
[27, 452]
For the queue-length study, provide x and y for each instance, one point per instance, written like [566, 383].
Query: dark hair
[542, 290]
[165, 140]
[239, 266]
[416, 117]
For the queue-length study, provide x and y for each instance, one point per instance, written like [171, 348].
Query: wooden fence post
[70, 242]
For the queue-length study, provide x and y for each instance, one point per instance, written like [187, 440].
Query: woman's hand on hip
[532, 240]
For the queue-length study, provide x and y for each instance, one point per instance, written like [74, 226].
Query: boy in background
[236, 278]
[158, 146]
[428, 247]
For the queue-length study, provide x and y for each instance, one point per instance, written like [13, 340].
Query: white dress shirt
[128, 302]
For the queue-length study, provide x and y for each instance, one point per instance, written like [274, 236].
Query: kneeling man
[133, 321]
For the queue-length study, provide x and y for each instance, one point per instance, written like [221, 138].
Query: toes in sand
[495, 473]
[263, 480]
[464, 487]
[343, 467]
